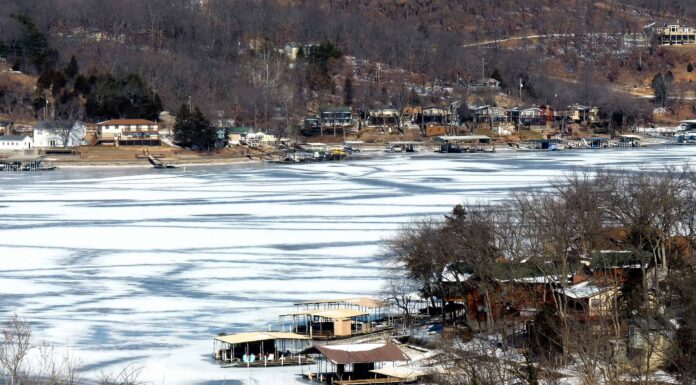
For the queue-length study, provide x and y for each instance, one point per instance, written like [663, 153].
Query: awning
[362, 353]
[242, 338]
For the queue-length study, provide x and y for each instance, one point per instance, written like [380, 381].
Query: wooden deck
[324, 377]
[371, 381]
[294, 361]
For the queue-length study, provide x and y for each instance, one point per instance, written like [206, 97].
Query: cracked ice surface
[145, 266]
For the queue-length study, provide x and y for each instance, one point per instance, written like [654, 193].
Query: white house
[48, 135]
[16, 143]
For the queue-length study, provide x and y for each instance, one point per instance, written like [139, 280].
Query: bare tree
[15, 346]
[129, 375]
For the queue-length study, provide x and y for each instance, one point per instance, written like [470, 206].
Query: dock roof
[399, 142]
[242, 338]
[362, 353]
[462, 137]
[335, 314]
[364, 302]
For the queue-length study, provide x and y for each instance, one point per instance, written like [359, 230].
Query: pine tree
[348, 92]
[193, 130]
[72, 69]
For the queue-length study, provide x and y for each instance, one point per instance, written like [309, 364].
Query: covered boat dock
[402, 146]
[465, 143]
[25, 162]
[329, 323]
[261, 349]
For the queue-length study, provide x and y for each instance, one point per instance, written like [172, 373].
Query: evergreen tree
[193, 130]
[72, 69]
[348, 92]
[34, 46]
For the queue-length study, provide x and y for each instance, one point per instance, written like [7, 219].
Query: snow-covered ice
[142, 265]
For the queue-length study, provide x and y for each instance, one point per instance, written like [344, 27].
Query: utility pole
[483, 68]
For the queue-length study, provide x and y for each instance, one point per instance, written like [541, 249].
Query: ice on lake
[142, 265]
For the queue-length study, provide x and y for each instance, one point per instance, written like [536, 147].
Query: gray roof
[12, 138]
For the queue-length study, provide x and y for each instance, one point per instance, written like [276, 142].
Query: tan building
[676, 34]
[138, 132]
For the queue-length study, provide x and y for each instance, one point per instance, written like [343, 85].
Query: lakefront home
[139, 132]
[47, 134]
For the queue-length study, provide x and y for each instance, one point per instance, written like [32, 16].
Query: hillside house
[675, 34]
[489, 114]
[138, 132]
[532, 117]
[335, 118]
[485, 84]
[15, 143]
[388, 117]
[583, 114]
[432, 116]
[47, 135]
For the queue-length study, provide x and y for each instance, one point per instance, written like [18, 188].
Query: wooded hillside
[223, 55]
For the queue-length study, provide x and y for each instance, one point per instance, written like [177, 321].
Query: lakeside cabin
[465, 143]
[354, 364]
[133, 132]
[261, 349]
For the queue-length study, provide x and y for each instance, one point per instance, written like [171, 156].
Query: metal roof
[404, 142]
[364, 302]
[13, 138]
[335, 314]
[242, 338]
[126, 122]
[462, 137]
[362, 353]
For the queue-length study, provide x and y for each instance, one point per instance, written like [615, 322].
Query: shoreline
[221, 161]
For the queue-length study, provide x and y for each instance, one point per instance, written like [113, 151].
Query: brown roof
[362, 353]
[126, 122]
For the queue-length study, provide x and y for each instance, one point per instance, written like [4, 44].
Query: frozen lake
[143, 265]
